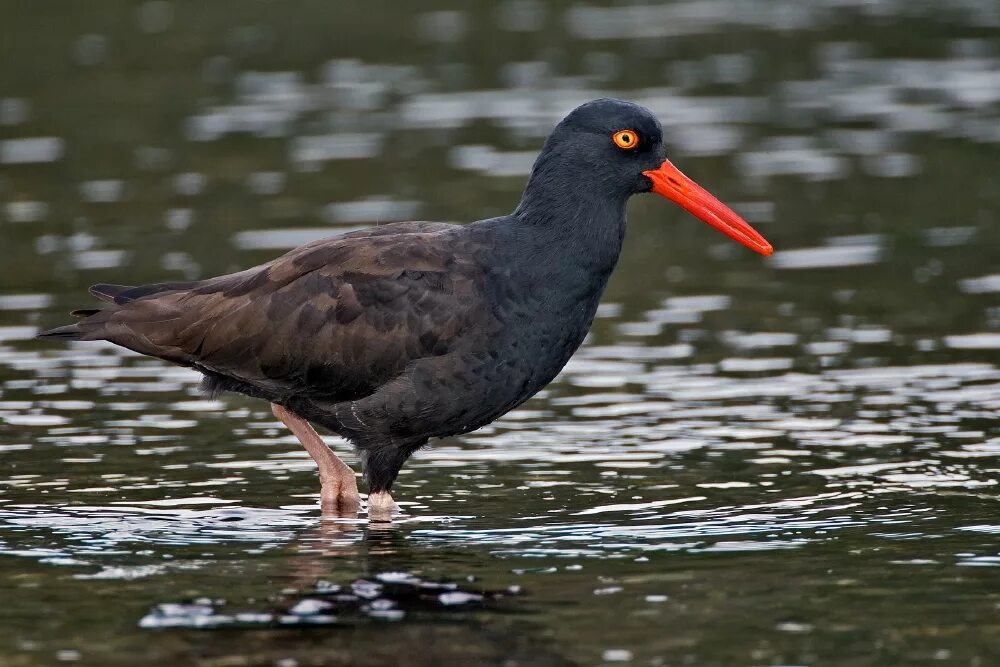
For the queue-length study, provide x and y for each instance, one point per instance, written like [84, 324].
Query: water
[789, 461]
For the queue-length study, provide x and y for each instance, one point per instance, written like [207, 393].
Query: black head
[609, 143]
[607, 150]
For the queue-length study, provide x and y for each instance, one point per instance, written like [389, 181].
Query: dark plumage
[404, 332]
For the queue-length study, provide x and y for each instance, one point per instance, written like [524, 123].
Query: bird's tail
[90, 327]
[92, 321]
[68, 332]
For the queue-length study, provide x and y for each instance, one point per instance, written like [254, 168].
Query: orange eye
[626, 139]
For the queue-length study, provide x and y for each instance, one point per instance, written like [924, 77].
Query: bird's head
[617, 147]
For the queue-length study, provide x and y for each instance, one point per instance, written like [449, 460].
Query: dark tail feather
[88, 328]
[68, 332]
[123, 294]
[109, 293]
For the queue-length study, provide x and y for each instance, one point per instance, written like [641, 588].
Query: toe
[339, 497]
[381, 506]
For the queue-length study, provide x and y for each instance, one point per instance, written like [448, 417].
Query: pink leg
[339, 490]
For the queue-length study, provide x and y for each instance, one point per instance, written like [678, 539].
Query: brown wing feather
[336, 318]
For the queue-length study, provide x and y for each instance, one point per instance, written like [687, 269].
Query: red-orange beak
[669, 182]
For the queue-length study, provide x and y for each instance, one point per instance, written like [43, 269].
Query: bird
[399, 333]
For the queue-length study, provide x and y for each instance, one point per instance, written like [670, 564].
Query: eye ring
[626, 139]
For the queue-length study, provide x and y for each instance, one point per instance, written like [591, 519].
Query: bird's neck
[582, 219]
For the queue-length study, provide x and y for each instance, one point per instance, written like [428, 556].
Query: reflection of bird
[409, 331]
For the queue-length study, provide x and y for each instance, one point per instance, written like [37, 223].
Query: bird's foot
[340, 497]
[381, 506]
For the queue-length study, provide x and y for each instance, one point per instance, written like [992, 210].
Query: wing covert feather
[337, 318]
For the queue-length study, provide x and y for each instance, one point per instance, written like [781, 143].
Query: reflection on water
[388, 596]
[791, 461]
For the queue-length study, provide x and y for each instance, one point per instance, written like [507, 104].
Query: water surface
[789, 461]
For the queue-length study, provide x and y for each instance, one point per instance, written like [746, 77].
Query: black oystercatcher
[416, 330]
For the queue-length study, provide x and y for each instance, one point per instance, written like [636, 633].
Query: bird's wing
[341, 315]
